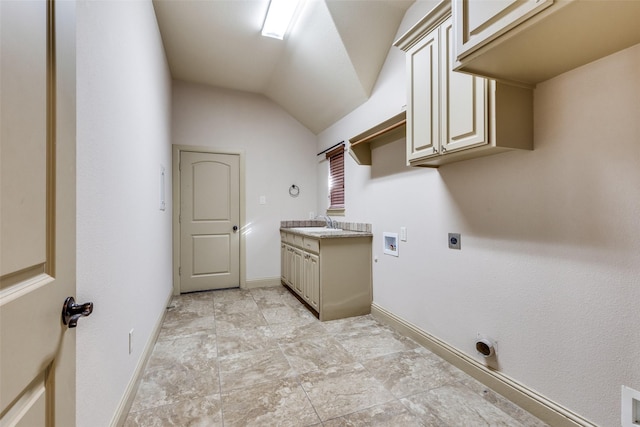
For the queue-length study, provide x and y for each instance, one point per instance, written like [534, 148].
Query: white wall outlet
[131, 341]
[263, 200]
[630, 410]
[312, 215]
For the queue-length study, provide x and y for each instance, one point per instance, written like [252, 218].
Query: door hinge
[179, 218]
[179, 271]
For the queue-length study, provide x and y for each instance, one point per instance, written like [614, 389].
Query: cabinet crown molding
[431, 20]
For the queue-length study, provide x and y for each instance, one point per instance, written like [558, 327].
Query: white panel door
[37, 212]
[209, 221]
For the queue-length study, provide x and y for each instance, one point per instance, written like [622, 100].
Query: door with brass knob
[37, 225]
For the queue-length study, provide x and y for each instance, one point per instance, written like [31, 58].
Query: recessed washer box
[390, 243]
[630, 411]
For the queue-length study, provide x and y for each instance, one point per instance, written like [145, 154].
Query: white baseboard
[531, 401]
[130, 393]
[262, 283]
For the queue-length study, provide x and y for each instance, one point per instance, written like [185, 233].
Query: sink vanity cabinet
[330, 272]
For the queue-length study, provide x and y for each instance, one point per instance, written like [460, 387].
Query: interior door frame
[175, 173]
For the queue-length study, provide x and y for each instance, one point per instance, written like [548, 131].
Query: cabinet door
[464, 102]
[305, 277]
[312, 271]
[422, 98]
[479, 22]
[288, 265]
[297, 270]
[283, 264]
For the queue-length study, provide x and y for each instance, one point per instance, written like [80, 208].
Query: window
[336, 180]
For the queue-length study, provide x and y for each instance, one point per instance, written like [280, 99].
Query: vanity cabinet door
[287, 269]
[283, 263]
[297, 270]
[312, 280]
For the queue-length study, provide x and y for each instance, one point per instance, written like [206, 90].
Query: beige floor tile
[260, 357]
[231, 294]
[199, 412]
[524, 417]
[279, 403]
[391, 414]
[225, 307]
[341, 390]
[240, 340]
[160, 386]
[457, 405]
[200, 303]
[247, 369]
[316, 353]
[181, 326]
[197, 352]
[228, 321]
[294, 332]
[282, 313]
[369, 343]
[410, 372]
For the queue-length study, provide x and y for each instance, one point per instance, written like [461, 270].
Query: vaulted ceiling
[325, 67]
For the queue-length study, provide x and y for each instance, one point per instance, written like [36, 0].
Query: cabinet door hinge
[179, 271]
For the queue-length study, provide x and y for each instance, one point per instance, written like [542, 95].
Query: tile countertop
[318, 230]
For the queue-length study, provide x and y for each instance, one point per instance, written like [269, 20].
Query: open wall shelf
[389, 130]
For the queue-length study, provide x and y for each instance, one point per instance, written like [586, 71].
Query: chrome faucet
[328, 220]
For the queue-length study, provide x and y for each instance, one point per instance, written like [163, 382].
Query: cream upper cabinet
[453, 116]
[479, 22]
[464, 101]
[423, 64]
[529, 41]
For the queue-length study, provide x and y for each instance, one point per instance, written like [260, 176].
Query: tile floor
[259, 358]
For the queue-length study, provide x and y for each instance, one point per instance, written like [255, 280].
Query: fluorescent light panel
[279, 18]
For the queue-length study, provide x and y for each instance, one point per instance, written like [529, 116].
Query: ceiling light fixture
[279, 18]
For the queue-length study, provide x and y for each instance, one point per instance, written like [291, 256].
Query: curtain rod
[330, 148]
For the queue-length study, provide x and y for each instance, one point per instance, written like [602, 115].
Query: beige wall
[123, 239]
[550, 259]
[278, 150]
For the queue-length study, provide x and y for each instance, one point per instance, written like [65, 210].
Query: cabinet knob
[444, 149]
[435, 150]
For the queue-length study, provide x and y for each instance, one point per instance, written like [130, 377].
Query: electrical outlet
[131, 341]
[630, 411]
[454, 241]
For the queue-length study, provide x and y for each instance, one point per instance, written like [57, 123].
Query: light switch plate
[454, 241]
[403, 234]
